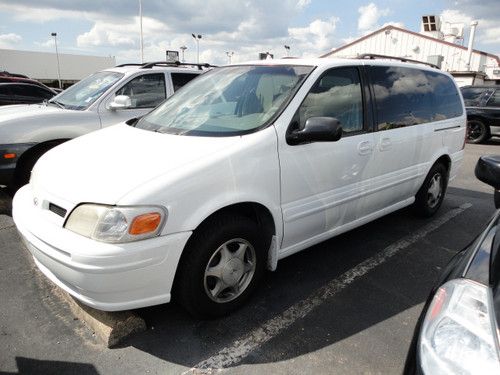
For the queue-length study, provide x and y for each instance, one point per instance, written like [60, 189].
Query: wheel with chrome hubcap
[431, 194]
[222, 264]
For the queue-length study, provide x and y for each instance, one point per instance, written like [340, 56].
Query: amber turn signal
[145, 223]
[9, 156]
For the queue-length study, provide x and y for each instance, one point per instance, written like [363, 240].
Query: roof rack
[129, 64]
[373, 56]
[175, 63]
[149, 65]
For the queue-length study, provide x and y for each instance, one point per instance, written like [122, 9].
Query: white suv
[102, 99]
[246, 165]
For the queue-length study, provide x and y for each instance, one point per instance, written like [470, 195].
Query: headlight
[116, 224]
[459, 333]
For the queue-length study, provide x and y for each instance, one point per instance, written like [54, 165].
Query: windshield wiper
[59, 104]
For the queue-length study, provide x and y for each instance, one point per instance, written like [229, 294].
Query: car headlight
[116, 224]
[459, 334]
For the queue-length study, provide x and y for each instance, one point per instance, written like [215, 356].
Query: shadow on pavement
[5, 202]
[32, 366]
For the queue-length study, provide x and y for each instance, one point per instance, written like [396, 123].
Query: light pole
[57, 56]
[140, 23]
[183, 48]
[229, 55]
[287, 50]
[197, 38]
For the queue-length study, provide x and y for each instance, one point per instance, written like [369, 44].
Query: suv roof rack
[129, 64]
[373, 56]
[175, 63]
[149, 65]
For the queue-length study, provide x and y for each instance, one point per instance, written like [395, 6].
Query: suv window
[5, 91]
[180, 79]
[336, 94]
[494, 100]
[145, 91]
[472, 95]
[408, 96]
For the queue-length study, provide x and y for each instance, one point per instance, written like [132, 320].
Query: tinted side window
[472, 95]
[146, 91]
[494, 101]
[42, 93]
[407, 96]
[336, 94]
[180, 79]
[403, 96]
[446, 100]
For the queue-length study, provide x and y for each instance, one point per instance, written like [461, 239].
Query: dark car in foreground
[23, 93]
[482, 104]
[457, 332]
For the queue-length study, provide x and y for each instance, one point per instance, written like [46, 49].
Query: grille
[57, 210]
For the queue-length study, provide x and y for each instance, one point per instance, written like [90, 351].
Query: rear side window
[406, 96]
[180, 79]
[494, 101]
[5, 91]
[472, 95]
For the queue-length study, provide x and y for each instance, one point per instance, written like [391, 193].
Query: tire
[431, 194]
[214, 278]
[477, 131]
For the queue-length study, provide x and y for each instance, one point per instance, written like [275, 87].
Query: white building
[42, 66]
[436, 43]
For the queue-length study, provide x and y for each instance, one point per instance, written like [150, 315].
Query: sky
[243, 27]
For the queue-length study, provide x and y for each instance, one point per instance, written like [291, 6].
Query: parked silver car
[105, 98]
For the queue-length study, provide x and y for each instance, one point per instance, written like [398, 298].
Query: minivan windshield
[84, 93]
[227, 101]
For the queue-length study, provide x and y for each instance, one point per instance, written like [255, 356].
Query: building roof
[391, 27]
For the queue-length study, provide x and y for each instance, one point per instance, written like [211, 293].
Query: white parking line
[233, 354]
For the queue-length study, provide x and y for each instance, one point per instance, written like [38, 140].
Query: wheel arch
[29, 153]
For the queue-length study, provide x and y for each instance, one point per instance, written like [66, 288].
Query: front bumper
[109, 277]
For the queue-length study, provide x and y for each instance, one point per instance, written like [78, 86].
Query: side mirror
[120, 102]
[317, 129]
[488, 171]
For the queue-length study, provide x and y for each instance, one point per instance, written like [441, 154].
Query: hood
[20, 111]
[103, 166]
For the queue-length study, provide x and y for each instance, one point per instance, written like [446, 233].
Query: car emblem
[35, 201]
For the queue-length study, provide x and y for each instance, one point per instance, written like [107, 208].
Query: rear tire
[221, 267]
[477, 131]
[431, 195]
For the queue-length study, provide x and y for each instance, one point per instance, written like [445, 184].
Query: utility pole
[140, 22]
[197, 37]
[229, 56]
[183, 48]
[57, 56]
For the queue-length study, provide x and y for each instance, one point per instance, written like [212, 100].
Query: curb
[111, 327]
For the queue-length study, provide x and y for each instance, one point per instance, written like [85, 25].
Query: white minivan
[242, 167]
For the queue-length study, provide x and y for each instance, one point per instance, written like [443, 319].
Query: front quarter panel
[247, 171]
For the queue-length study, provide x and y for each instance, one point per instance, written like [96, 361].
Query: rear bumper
[109, 277]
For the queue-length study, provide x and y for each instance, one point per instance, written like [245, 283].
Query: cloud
[487, 31]
[245, 27]
[9, 40]
[369, 16]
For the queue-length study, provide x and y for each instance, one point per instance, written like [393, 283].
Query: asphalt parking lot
[346, 306]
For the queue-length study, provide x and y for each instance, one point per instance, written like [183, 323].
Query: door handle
[365, 148]
[385, 144]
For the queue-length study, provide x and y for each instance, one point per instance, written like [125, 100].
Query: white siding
[394, 42]
[42, 65]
